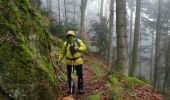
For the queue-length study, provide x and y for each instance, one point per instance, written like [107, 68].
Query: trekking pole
[72, 83]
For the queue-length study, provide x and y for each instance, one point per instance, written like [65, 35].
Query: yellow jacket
[78, 55]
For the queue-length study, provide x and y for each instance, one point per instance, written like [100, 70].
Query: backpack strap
[66, 44]
[75, 41]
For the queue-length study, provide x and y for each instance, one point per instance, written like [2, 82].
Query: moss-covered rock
[26, 71]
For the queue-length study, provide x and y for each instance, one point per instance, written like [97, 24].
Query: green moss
[26, 72]
[95, 68]
[113, 80]
[120, 84]
[94, 97]
[129, 82]
[115, 87]
[10, 27]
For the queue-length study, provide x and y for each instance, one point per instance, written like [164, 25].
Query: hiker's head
[70, 35]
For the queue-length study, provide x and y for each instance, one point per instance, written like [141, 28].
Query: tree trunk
[167, 68]
[50, 9]
[59, 10]
[157, 48]
[136, 40]
[111, 32]
[74, 7]
[121, 31]
[82, 9]
[65, 10]
[101, 8]
[140, 56]
[151, 63]
[131, 33]
[47, 9]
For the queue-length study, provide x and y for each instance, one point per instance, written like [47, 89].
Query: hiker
[72, 50]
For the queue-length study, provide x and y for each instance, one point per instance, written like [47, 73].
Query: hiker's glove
[73, 49]
[76, 48]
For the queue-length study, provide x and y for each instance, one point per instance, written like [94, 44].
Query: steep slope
[25, 68]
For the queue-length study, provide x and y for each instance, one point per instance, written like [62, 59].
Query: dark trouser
[79, 74]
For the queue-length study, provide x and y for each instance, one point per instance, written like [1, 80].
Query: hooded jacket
[77, 57]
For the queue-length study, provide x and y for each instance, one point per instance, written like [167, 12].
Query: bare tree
[136, 40]
[157, 48]
[59, 10]
[140, 54]
[111, 18]
[167, 68]
[121, 31]
[65, 10]
[151, 62]
[101, 8]
[82, 9]
[47, 8]
[131, 31]
[74, 7]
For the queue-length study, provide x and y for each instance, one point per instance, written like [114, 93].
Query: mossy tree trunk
[121, 31]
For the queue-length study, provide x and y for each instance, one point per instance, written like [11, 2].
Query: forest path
[95, 82]
[92, 85]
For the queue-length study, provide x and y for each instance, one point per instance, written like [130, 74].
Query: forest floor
[96, 86]
[92, 85]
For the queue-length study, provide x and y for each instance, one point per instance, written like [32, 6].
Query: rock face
[26, 72]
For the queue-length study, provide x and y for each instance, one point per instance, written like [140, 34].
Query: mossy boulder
[26, 71]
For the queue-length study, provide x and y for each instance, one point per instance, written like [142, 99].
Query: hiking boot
[80, 91]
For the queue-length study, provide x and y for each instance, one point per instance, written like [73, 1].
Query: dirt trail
[91, 85]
